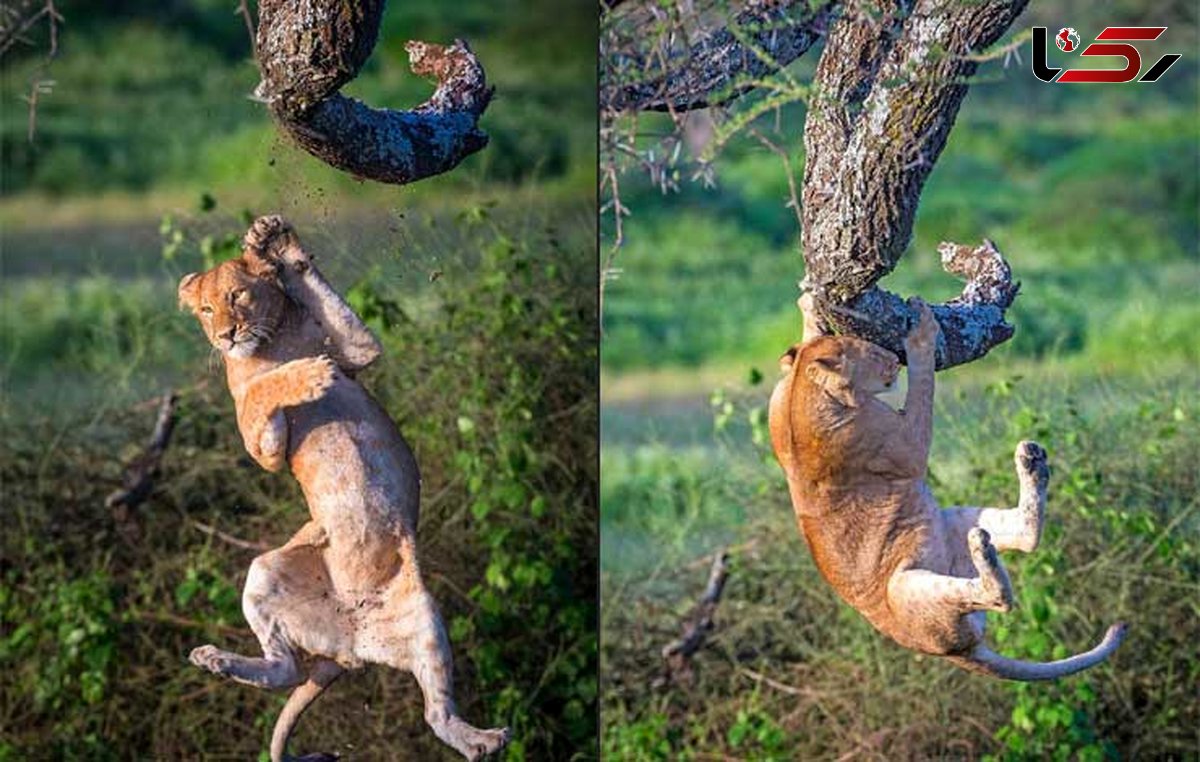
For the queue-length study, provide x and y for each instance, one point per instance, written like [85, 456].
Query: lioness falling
[856, 473]
[346, 588]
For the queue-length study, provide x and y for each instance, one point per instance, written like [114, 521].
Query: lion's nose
[227, 334]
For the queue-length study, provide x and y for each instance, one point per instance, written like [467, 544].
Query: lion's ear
[827, 373]
[189, 291]
[788, 359]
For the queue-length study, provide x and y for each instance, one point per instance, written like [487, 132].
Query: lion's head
[845, 367]
[239, 303]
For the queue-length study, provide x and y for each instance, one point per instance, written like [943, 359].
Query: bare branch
[15, 21]
[718, 67]
[308, 49]
[244, 11]
[678, 653]
[235, 541]
[141, 472]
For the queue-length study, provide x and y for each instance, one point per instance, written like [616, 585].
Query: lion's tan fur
[346, 588]
[856, 468]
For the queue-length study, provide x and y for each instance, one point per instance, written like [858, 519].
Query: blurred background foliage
[153, 96]
[1092, 194]
[148, 161]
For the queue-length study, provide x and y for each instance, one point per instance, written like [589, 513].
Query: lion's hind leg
[1017, 528]
[407, 633]
[928, 595]
[287, 604]
[262, 598]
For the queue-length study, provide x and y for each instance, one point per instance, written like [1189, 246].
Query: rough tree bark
[308, 49]
[885, 95]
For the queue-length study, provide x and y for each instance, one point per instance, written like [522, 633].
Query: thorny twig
[15, 21]
[793, 191]
[609, 272]
[244, 10]
[647, 48]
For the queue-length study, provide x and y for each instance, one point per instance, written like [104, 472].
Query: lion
[855, 470]
[346, 590]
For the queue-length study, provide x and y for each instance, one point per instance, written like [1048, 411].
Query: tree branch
[972, 323]
[678, 653]
[138, 481]
[877, 124]
[308, 49]
[719, 66]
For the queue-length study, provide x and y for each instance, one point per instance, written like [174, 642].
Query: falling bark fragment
[678, 653]
[308, 49]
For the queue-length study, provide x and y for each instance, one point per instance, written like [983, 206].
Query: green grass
[1121, 543]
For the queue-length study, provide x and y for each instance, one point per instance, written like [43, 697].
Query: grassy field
[148, 162]
[1093, 198]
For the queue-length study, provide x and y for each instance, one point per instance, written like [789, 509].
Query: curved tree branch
[308, 49]
[719, 66]
[887, 91]
[884, 97]
[972, 322]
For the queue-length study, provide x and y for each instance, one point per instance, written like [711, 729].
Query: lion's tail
[324, 672]
[987, 662]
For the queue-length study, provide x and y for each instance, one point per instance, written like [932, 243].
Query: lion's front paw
[210, 658]
[273, 238]
[264, 230]
[1031, 459]
[924, 335]
[315, 376]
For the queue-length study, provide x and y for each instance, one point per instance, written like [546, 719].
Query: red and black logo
[1116, 43]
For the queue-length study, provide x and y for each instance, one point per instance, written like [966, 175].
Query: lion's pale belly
[360, 481]
[859, 542]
